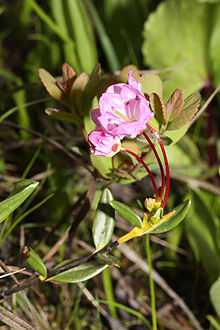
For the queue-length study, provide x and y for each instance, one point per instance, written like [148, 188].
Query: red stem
[166, 195]
[159, 163]
[140, 160]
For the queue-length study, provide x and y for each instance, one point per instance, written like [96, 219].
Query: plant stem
[159, 163]
[27, 284]
[107, 283]
[77, 262]
[166, 195]
[72, 263]
[140, 160]
[151, 284]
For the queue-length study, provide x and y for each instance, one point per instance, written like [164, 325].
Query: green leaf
[22, 191]
[58, 11]
[127, 213]
[175, 104]
[202, 232]
[105, 41]
[83, 35]
[190, 109]
[213, 322]
[151, 83]
[158, 108]
[104, 222]
[102, 164]
[48, 21]
[209, 1]
[174, 239]
[186, 56]
[177, 134]
[123, 75]
[23, 117]
[181, 159]
[36, 263]
[109, 290]
[160, 224]
[77, 90]
[215, 296]
[166, 225]
[214, 48]
[59, 15]
[49, 83]
[78, 274]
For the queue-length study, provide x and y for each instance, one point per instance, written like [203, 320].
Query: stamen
[121, 115]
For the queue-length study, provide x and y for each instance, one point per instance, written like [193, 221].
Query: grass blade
[107, 283]
[104, 38]
[48, 21]
[57, 8]
[82, 33]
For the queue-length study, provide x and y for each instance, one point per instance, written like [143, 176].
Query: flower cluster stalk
[159, 163]
[166, 195]
[163, 191]
[165, 184]
[140, 160]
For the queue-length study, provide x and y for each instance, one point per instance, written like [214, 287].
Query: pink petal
[133, 82]
[95, 114]
[110, 101]
[128, 93]
[103, 144]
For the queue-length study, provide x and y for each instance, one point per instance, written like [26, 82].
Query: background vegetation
[180, 39]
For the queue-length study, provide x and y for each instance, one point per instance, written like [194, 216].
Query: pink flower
[103, 144]
[123, 110]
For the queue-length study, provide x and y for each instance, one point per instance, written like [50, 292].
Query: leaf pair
[102, 234]
[181, 113]
[103, 227]
[76, 92]
[177, 112]
[73, 275]
[61, 88]
[165, 224]
[104, 220]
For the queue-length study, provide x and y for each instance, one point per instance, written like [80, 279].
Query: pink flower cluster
[123, 112]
